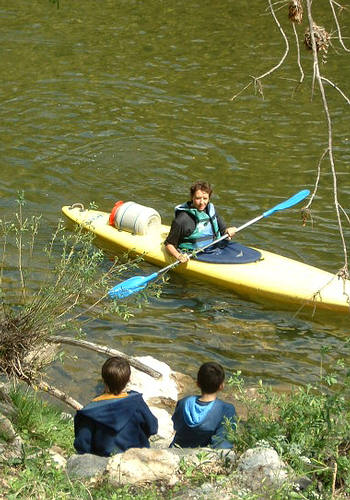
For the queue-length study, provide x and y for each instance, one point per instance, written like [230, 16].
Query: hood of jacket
[195, 411]
[104, 411]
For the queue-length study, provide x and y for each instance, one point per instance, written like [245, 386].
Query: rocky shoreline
[257, 469]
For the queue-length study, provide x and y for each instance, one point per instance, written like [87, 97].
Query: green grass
[41, 424]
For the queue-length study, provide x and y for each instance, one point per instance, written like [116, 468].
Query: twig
[43, 386]
[106, 350]
[298, 55]
[286, 42]
[334, 479]
[241, 91]
[346, 215]
[317, 179]
[20, 249]
[256, 80]
[336, 87]
[338, 26]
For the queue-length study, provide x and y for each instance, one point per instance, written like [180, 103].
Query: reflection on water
[134, 103]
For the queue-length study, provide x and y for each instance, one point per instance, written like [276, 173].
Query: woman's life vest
[206, 230]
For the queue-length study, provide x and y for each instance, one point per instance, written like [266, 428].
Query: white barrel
[136, 218]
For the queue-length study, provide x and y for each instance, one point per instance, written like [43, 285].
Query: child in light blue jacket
[199, 421]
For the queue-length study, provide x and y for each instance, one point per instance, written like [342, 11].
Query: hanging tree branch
[318, 40]
[317, 76]
[331, 3]
[257, 80]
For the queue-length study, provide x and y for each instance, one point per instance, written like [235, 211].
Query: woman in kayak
[196, 224]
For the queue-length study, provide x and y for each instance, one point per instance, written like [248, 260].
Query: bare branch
[105, 350]
[337, 24]
[241, 91]
[346, 215]
[336, 88]
[298, 55]
[62, 396]
[318, 78]
[257, 79]
[286, 42]
[317, 179]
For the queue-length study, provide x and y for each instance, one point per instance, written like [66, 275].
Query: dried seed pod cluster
[295, 11]
[321, 38]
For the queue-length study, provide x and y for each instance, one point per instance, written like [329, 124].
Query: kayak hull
[274, 277]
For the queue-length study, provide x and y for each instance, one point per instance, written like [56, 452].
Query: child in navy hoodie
[116, 420]
[199, 421]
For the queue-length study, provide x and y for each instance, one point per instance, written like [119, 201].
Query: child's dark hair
[210, 376]
[116, 374]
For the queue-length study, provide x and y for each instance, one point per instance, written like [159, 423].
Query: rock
[302, 483]
[139, 465]
[39, 357]
[7, 409]
[66, 416]
[7, 432]
[261, 468]
[165, 429]
[57, 457]
[207, 491]
[166, 386]
[12, 450]
[86, 466]
[5, 388]
[201, 456]
[11, 445]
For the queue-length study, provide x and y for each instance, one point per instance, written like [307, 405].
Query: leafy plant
[309, 427]
[65, 293]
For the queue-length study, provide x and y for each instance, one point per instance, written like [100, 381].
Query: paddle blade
[293, 200]
[130, 286]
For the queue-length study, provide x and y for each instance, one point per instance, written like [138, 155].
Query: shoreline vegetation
[305, 432]
[308, 429]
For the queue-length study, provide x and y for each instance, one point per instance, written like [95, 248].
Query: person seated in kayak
[196, 223]
[202, 420]
[116, 420]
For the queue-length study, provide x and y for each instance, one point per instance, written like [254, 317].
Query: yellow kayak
[273, 277]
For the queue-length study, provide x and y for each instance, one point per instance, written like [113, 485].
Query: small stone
[86, 465]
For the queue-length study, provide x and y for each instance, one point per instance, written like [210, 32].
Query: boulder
[165, 429]
[11, 445]
[262, 468]
[12, 450]
[166, 386]
[140, 465]
[7, 432]
[86, 466]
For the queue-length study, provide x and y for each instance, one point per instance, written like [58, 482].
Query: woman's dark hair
[116, 374]
[210, 376]
[203, 186]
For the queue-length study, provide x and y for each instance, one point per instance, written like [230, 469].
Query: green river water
[108, 100]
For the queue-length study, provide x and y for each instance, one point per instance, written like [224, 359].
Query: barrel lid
[117, 205]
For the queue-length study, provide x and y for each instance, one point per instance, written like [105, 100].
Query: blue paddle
[138, 283]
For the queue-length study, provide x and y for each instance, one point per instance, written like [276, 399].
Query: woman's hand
[172, 250]
[231, 231]
[183, 257]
